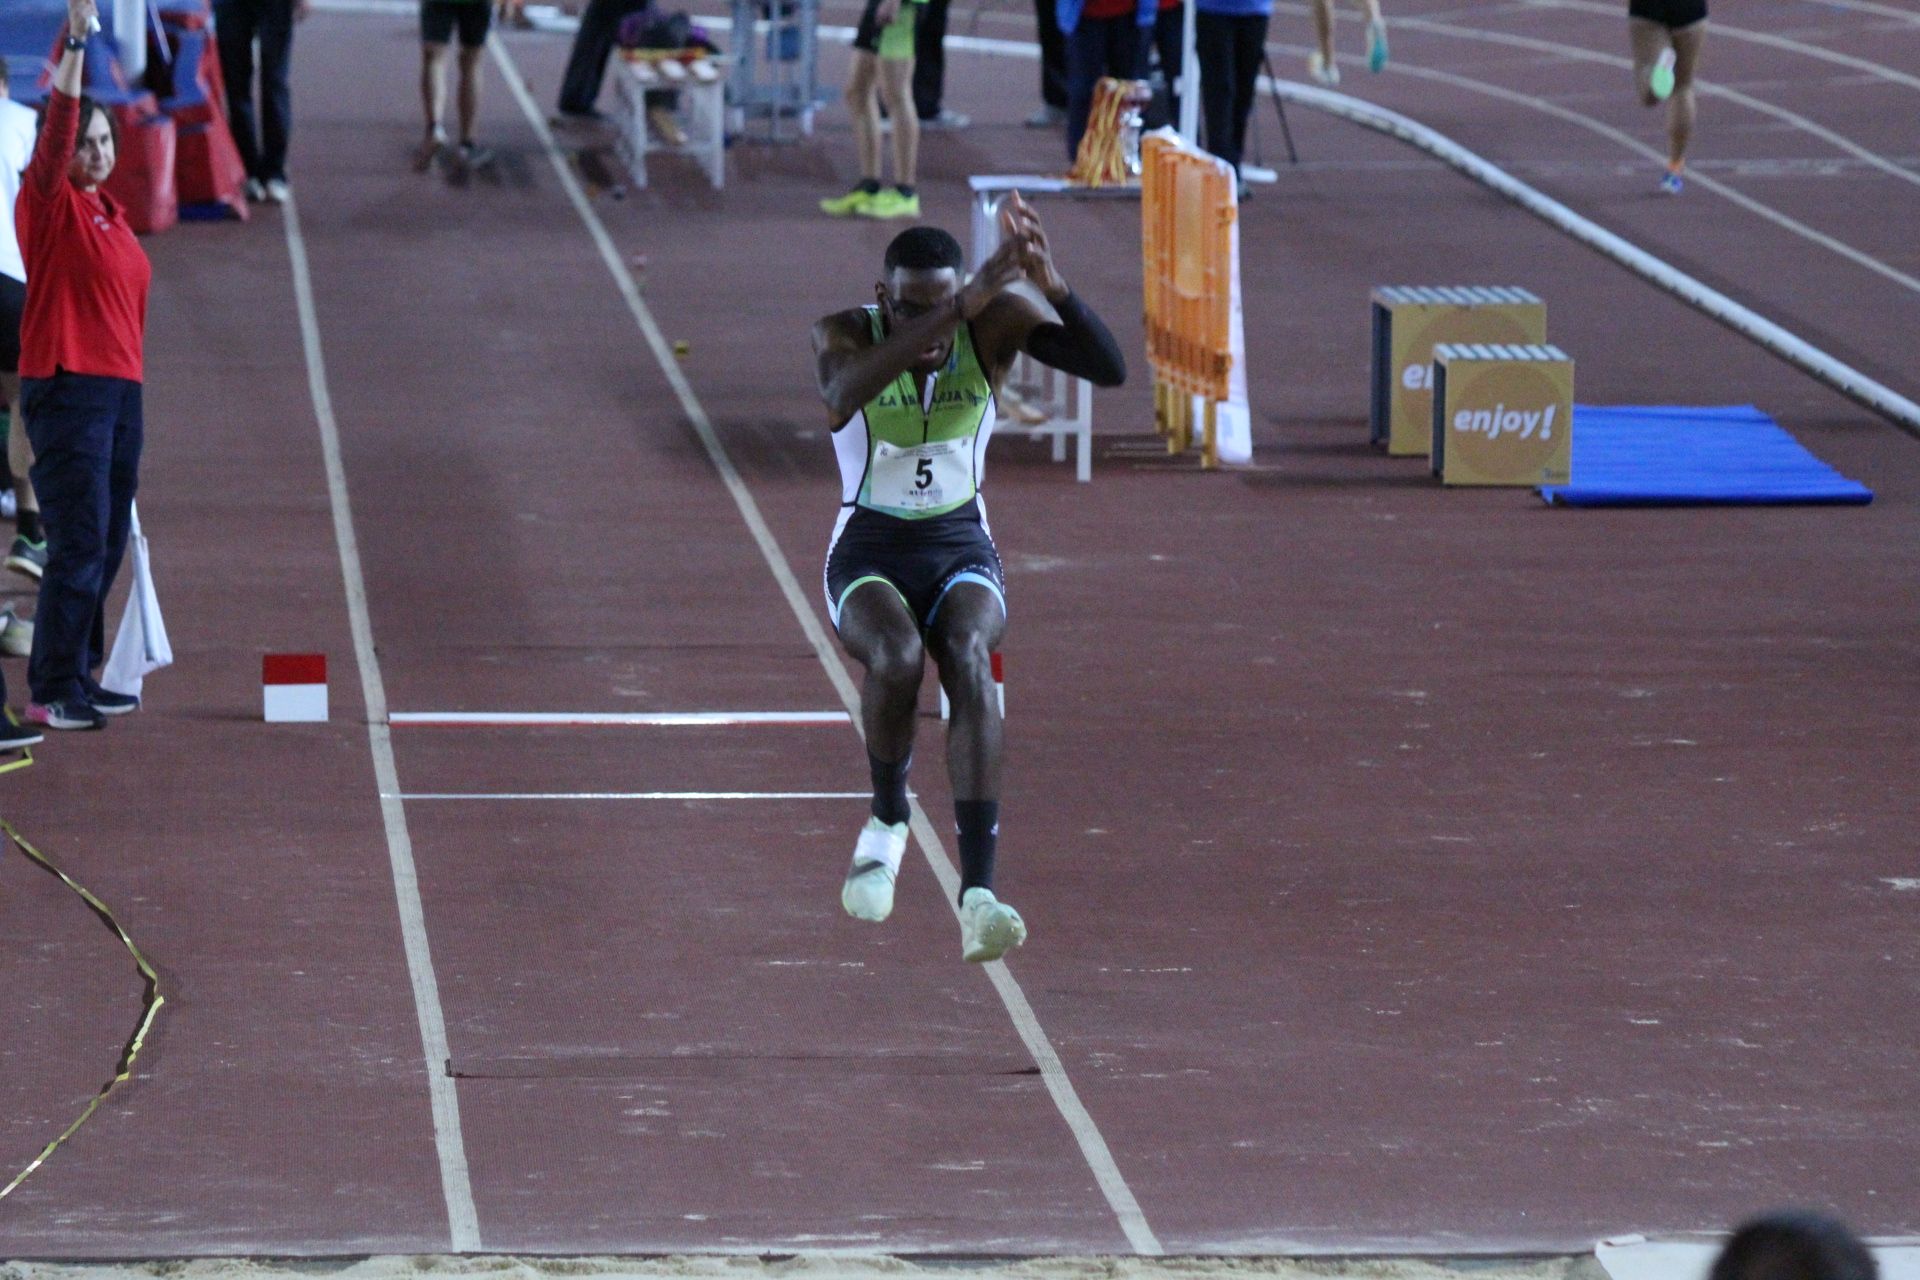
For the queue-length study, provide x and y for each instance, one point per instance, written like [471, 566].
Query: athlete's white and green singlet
[911, 457]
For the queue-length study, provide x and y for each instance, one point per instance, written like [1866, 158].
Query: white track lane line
[1721, 31]
[1093, 1145]
[1856, 256]
[634, 795]
[665, 719]
[456, 1187]
[1706, 88]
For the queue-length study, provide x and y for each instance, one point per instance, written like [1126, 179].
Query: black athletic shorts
[13, 298]
[920, 559]
[438, 18]
[1672, 14]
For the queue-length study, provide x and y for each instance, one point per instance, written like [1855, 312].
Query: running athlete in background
[1667, 35]
[910, 385]
[1322, 64]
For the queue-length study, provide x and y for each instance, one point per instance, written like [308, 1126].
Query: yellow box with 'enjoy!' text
[1409, 322]
[1502, 414]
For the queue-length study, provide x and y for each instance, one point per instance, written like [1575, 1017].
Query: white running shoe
[989, 928]
[867, 892]
[1323, 70]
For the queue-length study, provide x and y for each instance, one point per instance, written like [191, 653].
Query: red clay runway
[1409, 870]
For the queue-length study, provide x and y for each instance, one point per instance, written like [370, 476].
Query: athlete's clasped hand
[1023, 255]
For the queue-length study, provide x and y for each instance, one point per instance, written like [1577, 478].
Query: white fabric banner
[140, 645]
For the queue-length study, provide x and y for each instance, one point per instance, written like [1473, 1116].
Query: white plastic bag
[141, 645]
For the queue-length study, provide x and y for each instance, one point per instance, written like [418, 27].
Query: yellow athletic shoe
[849, 205]
[890, 202]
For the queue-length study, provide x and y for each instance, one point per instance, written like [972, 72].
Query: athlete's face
[907, 294]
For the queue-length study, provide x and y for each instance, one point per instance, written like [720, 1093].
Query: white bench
[696, 127]
[1043, 401]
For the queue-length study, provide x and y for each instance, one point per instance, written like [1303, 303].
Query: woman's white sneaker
[867, 893]
[989, 928]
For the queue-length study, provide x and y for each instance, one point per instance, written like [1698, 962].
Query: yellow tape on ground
[153, 1002]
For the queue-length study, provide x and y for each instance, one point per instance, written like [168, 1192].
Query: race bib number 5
[921, 477]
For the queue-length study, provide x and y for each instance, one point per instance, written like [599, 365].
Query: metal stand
[775, 74]
[1279, 107]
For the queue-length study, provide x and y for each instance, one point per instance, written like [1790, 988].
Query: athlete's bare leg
[896, 86]
[967, 629]
[1323, 29]
[433, 99]
[879, 634]
[19, 449]
[470, 90]
[1686, 48]
[1649, 40]
[863, 105]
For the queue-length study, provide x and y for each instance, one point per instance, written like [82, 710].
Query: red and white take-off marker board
[295, 687]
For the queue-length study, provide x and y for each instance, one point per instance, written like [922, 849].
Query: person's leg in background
[28, 554]
[235, 27]
[930, 67]
[276, 94]
[1086, 61]
[1248, 44]
[123, 483]
[1168, 39]
[592, 46]
[1053, 68]
[1687, 42]
[1213, 48]
[72, 419]
[861, 94]
[896, 90]
[436, 41]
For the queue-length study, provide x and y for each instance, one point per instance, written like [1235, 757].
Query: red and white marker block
[999, 689]
[295, 686]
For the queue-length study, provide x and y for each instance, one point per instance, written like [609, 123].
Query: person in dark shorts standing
[439, 20]
[1667, 36]
[911, 385]
[883, 52]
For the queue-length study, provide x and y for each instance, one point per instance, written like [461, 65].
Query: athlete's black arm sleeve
[1079, 345]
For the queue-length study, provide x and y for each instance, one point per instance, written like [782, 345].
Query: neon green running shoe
[891, 202]
[1660, 79]
[849, 205]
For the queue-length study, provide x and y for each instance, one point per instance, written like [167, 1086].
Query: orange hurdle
[1188, 210]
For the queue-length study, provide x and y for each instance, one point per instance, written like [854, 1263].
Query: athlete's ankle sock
[889, 788]
[869, 187]
[904, 188]
[27, 525]
[979, 824]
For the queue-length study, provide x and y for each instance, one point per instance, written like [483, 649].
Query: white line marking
[1843, 378]
[455, 1185]
[1633, 144]
[1705, 87]
[1093, 1146]
[1721, 31]
[669, 719]
[634, 795]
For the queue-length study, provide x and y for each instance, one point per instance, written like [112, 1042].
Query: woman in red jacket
[81, 340]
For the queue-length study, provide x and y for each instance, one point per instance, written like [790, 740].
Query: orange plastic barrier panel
[1187, 217]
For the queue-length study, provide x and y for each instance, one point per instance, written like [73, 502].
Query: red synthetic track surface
[1408, 869]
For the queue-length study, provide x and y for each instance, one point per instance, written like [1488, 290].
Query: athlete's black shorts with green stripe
[922, 560]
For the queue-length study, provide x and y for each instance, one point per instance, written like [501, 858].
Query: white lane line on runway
[1721, 31]
[1093, 1146]
[1706, 88]
[456, 1186]
[634, 795]
[664, 719]
[1721, 189]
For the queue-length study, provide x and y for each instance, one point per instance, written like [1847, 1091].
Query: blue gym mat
[1658, 455]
